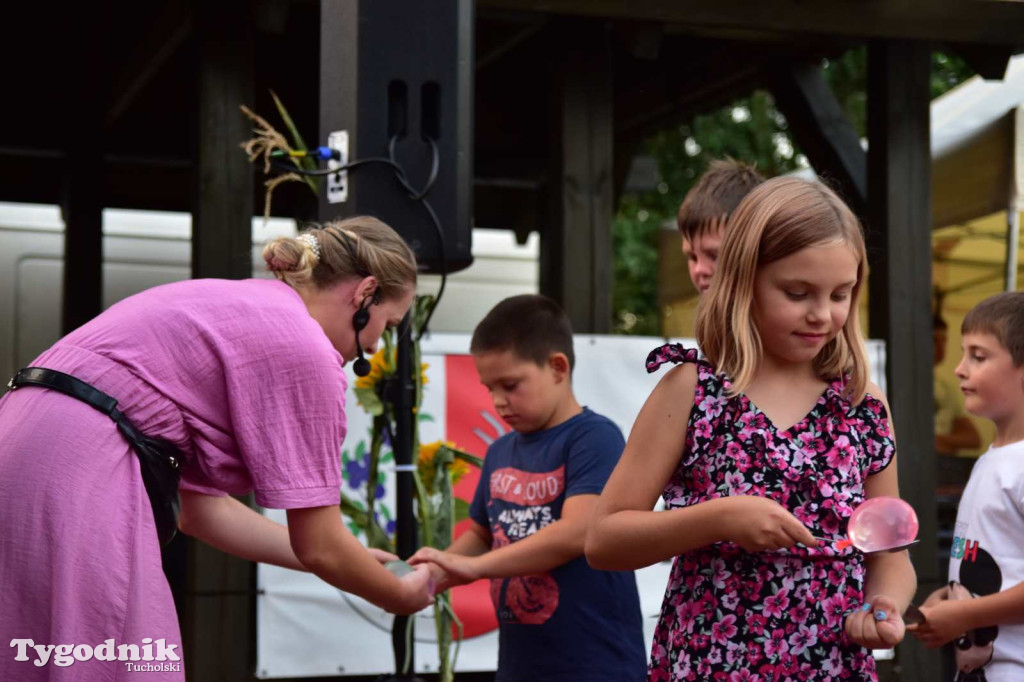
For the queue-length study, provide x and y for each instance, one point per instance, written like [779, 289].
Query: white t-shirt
[988, 547]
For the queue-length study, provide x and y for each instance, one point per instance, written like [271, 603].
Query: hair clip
[312, 242]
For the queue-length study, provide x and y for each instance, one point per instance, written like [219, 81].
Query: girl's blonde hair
[360, 246]
[778, 218]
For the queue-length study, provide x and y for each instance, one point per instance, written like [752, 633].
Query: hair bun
[290, 259]
[280, 256]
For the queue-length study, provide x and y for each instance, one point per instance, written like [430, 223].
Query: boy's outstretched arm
[548, 548]
[474, 541]
[946, 620]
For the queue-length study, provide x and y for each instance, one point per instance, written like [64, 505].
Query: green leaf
[378, 539]
[424, 417]
[478, 462]
[298, 143]
[369, 401]
[353, 511]
[461, 510]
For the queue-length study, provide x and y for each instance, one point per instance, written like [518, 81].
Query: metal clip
[10, 383]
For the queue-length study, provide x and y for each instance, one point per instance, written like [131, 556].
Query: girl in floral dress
[763, 446]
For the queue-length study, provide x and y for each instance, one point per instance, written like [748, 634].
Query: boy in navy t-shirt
[558, 618]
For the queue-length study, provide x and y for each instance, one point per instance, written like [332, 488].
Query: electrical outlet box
[337, 183]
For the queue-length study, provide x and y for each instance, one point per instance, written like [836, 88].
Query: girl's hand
[757, 524]
[381, 556]
[459, 569]
[417, 592]
[870, 629]
[943, 623]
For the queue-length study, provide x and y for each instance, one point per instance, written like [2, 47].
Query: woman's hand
[417, 592]
[459, 569]
[943, 623]
[757, 524]
[880, 626]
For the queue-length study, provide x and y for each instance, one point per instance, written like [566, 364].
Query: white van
[143, 249]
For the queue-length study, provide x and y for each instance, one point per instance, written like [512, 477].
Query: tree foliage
[750, 129]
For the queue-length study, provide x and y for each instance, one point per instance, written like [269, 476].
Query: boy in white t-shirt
[982, 609]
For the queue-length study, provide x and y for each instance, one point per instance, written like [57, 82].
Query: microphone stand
[402, 395]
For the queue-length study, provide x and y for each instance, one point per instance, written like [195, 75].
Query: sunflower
[427, 466]
[382, 366]
[458, 468]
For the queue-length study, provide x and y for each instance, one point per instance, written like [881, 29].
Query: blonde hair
[777, 219]
[360, 246]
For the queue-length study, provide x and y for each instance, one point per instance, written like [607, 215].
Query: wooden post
[824, 133]
[899, 246]
[576, 244]
[222, 218]
[217, 600]
[82, 201]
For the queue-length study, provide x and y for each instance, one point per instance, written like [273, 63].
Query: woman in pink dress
[246, 379]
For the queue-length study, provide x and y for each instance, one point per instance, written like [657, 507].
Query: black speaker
[394, 76]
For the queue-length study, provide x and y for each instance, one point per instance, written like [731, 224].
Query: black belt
[160, 459]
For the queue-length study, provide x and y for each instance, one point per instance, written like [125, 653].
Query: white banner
[306, 628]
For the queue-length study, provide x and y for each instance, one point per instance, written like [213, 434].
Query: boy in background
[705, 211]
[558, 619]
[982, 608]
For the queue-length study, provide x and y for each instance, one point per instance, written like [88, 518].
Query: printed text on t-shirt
[527, 488]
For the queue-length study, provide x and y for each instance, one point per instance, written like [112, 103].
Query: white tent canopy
[977, 135]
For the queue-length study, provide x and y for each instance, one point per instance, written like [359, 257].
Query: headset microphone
[361, 366]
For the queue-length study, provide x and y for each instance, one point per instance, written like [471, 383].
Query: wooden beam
[576, 251]
[966, 21]
[819, 125]
[512, 204]
[218, 597]
[899, 241]
[222, 218]
[82, 201]
[509, 43]
[165, 35]
[653, 96]
[988, 62]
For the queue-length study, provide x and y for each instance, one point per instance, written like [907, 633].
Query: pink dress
[238, 375]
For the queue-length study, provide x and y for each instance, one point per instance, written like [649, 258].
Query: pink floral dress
[732, 615]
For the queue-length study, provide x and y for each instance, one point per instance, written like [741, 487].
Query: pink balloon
[882, 523]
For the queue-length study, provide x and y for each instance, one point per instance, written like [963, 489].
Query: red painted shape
[466, 401]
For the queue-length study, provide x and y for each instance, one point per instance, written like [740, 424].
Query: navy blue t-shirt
[574, 623]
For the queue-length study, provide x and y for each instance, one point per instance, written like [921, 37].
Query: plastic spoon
[880, 524]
